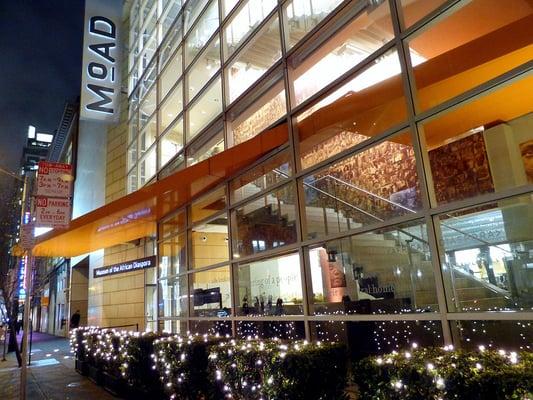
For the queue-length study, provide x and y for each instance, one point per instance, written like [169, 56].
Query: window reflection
[205, 109]
[172, 255]
[270, 287]
[171, 74]
[371, 186]
[202, 31]
[370, 103]
[355, 42]
[173, 297]
[204, 68]
[494, 335]
[381, 272]
[171, 143]
[171, 108]
[265, 223]
[208, 146]
[444, 68]
[263, 50]
[211, 293]
[210, 242]
[482, 146]
[488, 257]
[286, 330]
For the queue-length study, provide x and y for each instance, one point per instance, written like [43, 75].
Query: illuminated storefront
[399, 209]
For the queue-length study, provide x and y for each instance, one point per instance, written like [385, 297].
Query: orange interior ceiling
[372, 110]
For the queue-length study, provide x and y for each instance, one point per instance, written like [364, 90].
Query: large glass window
[172, 254]
[356, 41]
[147, 166]
[201, 32]
[171, 74]
[210, 242]
[148, 135]
[205, 109]
[250, 14]
[171, 108]
[171, 143]
[482, 146]
[173, 296]
[266, 110]
[488, 256]
[443, 63]
[494, 335]
[265, 223]
[382, 272]
[301, 16]
[259, 54]
[372, 186]
[274, 170]
[203, 69]
[414, 10]
[173, 224]
[211, 293]
[370, 103]
[207, 146]
[270, 287]
[285, 330]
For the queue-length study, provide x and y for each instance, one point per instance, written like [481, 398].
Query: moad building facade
[399, 210]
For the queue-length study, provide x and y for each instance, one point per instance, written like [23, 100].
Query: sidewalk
[51, 374]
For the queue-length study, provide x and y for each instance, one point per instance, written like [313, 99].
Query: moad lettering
[103, 26]
[105, 99]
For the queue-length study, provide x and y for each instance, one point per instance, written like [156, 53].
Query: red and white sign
[54, 179]
[26, 236]
[51, 212]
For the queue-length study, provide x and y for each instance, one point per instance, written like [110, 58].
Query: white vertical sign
[100, 83]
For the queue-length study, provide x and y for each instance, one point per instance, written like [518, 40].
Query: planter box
[96, 375]
[114, 385]
[82, 367]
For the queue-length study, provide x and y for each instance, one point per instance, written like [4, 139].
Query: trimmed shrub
[256, 370]
[446, 374]
[182, 365]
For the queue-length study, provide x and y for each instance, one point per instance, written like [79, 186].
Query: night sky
[40, 68]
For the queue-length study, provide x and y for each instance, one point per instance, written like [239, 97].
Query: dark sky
[40, 68]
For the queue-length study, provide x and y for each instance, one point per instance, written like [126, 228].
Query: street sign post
[54, 179]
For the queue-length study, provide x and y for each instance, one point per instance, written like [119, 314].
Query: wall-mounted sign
[129, 266]
[52, 212]
[27, 236]
[54, 179]
[100, 83]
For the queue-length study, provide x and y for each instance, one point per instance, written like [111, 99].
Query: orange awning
[135, 215]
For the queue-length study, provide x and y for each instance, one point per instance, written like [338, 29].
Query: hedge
[434, 373]
[192, 367]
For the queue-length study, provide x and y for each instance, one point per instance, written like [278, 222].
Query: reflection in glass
[170, 75]
[172, 326]
[481, 146]
[205, 109]
[259, 54]
[285, 330]
[208, 205]
[488, 256]
[210, 242]
[270, 287]
[171, 43]
[172, 106]
[372, 338]
[202, 31]
[445, 68]
[148, 135]
[205, 148]
[243, 22]
[382, 272]
[414, 10]
[262, 113]
[172, 254]
[173, 297]
[147, 166]
[370, 103]
[265, 223]
[212, 328]
[204, 68]
[211, 293]
[301, 16]
[171, 143]
[509, 335]
[173, 224]
[274, 170]
[372, 186]
[365, 34]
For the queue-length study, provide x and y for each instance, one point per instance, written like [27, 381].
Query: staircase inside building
[399, 258]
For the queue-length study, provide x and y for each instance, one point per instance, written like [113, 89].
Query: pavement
[51, 374]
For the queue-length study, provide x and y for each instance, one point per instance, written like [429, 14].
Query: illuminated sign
[100, 89]
[130, 266]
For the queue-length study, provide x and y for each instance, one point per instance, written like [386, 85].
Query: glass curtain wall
[399, 211]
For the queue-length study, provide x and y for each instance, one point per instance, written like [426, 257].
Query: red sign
[54, 179]
[51, 212]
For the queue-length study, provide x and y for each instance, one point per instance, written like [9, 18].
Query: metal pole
[25, 326]
[31, 340]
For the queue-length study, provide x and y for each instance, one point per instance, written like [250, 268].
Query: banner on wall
[100, 83]
[130, 266]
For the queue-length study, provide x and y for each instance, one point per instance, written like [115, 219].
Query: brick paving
[51, 374]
